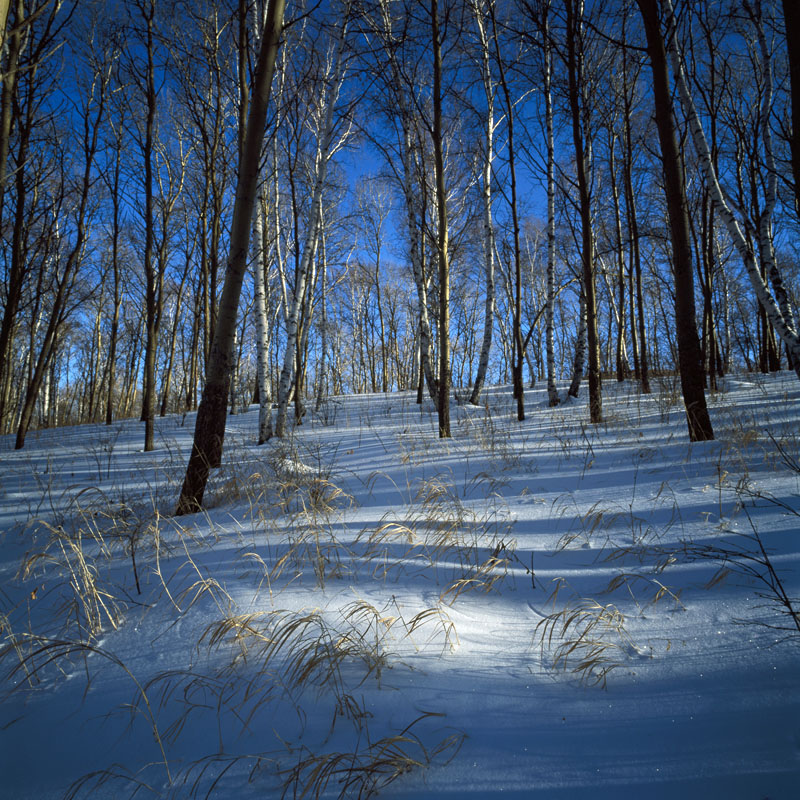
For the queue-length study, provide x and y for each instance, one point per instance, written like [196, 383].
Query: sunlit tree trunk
[766, 245]
[621, 349]
[262, 324]
[114, 188]
[173, 337]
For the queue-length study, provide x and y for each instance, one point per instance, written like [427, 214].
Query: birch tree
[405, 158]
[260, 266]
[326, 146]
[547, 52]
[791, 23]
[630, 73]
[518, 343]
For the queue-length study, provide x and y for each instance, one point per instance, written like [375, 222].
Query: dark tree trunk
[579, 134]
[689, 355]
[791, 20]
[442, 242]
[209, 429]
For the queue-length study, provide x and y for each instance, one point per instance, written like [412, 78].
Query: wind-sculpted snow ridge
[547, 609]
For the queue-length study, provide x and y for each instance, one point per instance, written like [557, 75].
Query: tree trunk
[115, 236]
[488, 227]
[621, 350]
[13, 42]
[552, 391]
[519, 347]
[791, 21]
[635, 259]
[210, 425]
[689, 357]
[580, 350]
[579, 134]
[442, 233]
[262, 327]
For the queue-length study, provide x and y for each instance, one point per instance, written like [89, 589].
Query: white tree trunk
[262, 326]
[322, 378]
[765, 238]
[417, 263]
[580, 351]
[552, 391]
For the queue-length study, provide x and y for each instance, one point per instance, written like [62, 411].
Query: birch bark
[580, 350]
[262, 325]
[552, 391]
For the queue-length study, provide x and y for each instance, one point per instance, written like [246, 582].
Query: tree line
[278, 205]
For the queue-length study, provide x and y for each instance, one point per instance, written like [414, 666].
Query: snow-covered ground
[541, 610]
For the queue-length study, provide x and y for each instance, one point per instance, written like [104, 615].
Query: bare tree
[27, 72]
[486, 187]
[778, 317]
[580, 133]
[211, 415]
[518, 351]
[791, 22]
[690, 361]
[552, 391]
[92, 115]
[326, 146]
[442, 246]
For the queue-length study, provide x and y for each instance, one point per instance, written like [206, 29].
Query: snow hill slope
[542, 610]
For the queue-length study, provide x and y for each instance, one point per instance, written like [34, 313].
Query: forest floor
[546, 609]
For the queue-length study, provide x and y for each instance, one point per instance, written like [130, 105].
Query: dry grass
[585, 639]
[363, 773]
[441, 538]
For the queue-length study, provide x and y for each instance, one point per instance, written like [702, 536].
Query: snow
[540, 609]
